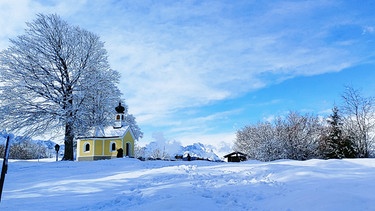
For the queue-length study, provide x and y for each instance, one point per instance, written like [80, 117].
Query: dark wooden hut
[236, 157]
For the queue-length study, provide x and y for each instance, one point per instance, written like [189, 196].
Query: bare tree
[50, 80]
[259, 142]
[293, 137]
[139, 152]
[130, 120]
[300, 136]
[98, 106]
[359, 120]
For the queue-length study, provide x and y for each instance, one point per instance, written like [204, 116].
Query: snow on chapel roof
[108, 132]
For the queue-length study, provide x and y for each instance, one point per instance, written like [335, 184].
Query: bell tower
[120, 116]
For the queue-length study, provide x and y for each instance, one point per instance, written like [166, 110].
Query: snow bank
[130, 184]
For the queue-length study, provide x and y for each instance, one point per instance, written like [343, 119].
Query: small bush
[26, 149]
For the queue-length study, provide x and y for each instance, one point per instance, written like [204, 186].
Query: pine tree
[337, 145]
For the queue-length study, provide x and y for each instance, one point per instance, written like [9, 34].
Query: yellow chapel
[111, 142]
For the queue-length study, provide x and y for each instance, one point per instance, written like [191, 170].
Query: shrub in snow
[25, 150]
[293, 137]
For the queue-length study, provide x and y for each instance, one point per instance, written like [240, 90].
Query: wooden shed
[236, 157]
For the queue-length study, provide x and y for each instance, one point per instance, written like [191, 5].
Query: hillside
[130, 184]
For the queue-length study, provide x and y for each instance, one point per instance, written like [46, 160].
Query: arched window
[118, 117]
[87, 147]
[113, 147]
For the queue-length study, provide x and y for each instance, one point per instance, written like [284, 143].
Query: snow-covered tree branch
[359, 119]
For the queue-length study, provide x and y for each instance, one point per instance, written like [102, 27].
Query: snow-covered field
[130, 184]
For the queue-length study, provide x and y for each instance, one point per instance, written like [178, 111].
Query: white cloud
[15, 14]
[168, 66]
[12, 20]
[368, 30]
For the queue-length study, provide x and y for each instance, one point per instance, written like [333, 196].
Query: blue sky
[200, 70]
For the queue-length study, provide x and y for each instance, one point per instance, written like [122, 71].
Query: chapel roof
[107, 132]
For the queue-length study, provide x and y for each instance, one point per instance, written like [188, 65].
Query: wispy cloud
[187, 54]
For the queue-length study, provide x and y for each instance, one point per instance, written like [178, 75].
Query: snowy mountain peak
[171, 150]
[199, 151]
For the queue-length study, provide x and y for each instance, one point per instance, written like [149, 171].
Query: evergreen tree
[337, 145]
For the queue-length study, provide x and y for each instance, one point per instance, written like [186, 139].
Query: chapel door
[127, 149]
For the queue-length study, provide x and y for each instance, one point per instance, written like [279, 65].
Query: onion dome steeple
[119, 117]
[120, 109]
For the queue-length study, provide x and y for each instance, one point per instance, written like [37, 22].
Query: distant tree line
[348, 132]
[25, 150]
[23, 147]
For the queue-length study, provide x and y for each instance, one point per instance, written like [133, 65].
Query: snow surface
[130, 184]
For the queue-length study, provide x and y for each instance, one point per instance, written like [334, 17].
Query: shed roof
[235, 153]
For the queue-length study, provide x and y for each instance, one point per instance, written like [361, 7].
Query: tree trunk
[69, 125]
[68, 141]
